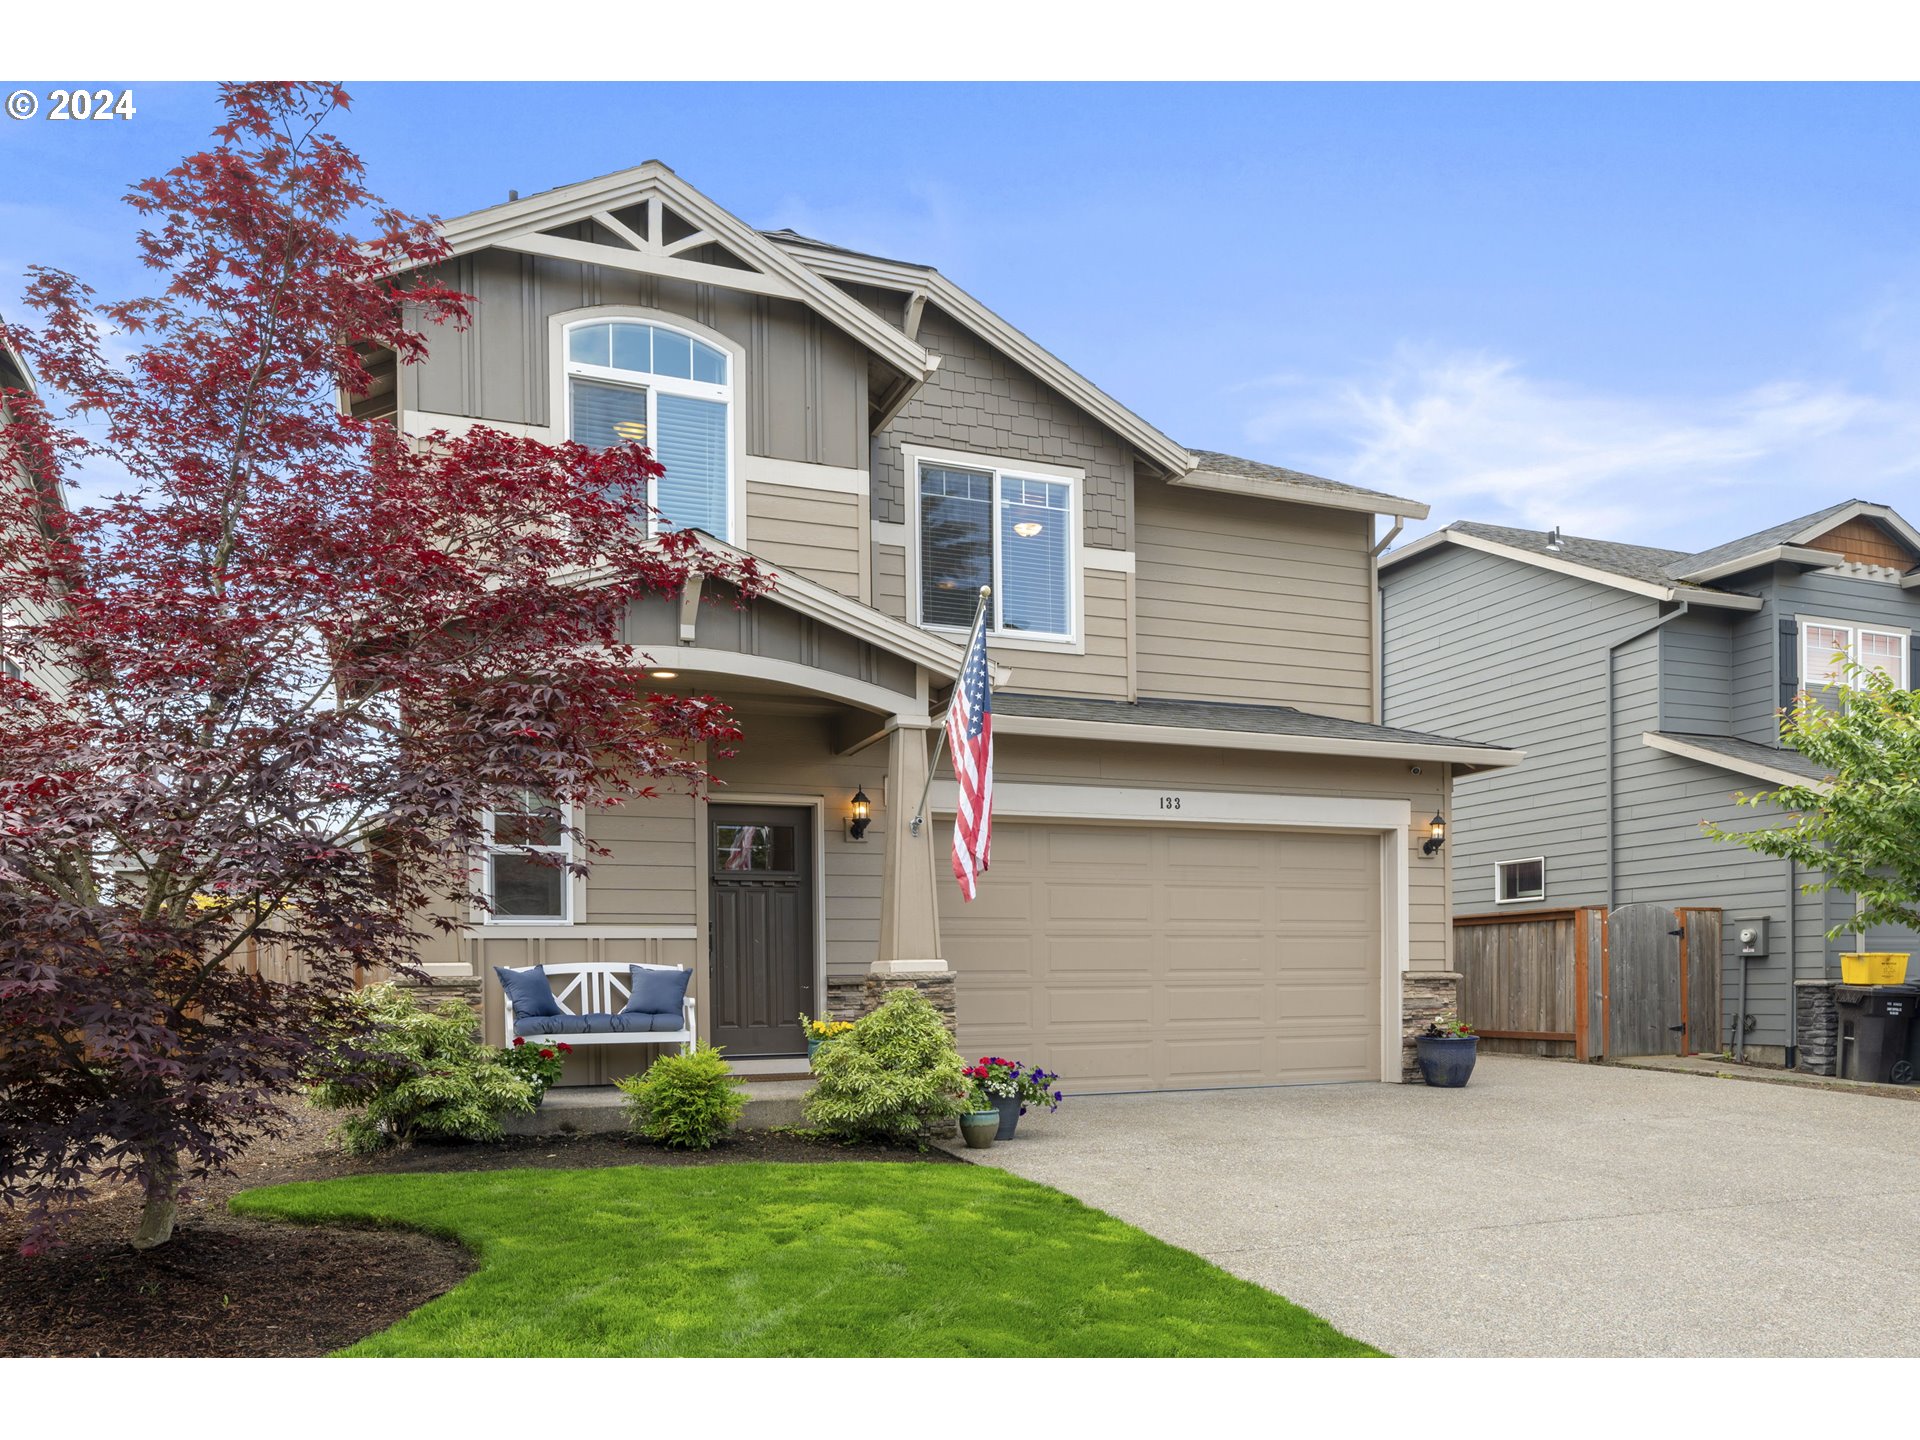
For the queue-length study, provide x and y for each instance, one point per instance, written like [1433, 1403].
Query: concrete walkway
[1547, 1209]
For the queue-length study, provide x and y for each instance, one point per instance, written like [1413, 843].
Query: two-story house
[1645, 685]
[1210, 862]
[18, 483]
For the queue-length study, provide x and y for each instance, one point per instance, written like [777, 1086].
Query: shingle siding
[979, 401]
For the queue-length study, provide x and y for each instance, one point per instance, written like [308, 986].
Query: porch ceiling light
[1436, 834]
[1027, 529]
[664, 674]
[862, 816]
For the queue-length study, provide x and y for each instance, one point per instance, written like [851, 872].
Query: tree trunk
[163, 1189]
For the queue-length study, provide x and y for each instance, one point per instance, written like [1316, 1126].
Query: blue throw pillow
[532, 996]
[657, 989]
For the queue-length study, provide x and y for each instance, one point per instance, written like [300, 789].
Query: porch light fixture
[1027, 529]
[664, 674]
[862, 816]
[1436, 834]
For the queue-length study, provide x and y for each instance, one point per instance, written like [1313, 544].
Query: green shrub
[414, 1074]
[892, 1077]
[688, 1102]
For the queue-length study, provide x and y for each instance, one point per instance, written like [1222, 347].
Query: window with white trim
[987, 525]
[525, 885]
[1516, 880]
[634, 382]
[1825, 646]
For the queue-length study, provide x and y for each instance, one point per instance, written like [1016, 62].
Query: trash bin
[1873, 1031]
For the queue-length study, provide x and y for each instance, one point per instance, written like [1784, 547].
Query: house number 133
[1169, 802]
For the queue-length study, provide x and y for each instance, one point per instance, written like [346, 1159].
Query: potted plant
[1446, 1050]
[980, 1119]
[538, 1065]
[820, 1031]
[1012, 1087]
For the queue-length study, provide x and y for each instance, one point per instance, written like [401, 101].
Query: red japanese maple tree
[274, 685]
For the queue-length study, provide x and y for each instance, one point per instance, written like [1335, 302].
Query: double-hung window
[1825, 645]
[630, 382]
[984, 524]
[527, 879]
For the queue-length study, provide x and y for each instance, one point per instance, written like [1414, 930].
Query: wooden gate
[1586, 984]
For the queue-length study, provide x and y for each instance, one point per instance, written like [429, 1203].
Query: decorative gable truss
[650, 221]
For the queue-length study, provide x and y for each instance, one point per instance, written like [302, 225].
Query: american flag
[970, 738]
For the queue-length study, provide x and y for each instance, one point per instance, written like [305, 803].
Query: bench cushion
[530, 992]
[621, 1024]
[656, 990]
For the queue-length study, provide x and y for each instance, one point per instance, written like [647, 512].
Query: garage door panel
[1096, 900]
[1067, 1006]
[1146, 957]
[1222, 954]
[1220, 1060]
[1232, 1005]
[1198, 902]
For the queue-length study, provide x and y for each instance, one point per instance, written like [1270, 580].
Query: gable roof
[1231, 473]
[1637, 569]
[1765, 546]
[519, 225]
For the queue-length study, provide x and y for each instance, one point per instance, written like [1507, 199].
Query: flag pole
[979, 619]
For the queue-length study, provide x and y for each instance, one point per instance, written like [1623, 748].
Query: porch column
[909, 954]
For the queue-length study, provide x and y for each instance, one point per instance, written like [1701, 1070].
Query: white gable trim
[1693, 596]
[1754, 769]
[517, 226]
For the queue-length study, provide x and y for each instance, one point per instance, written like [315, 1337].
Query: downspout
[1641, 633]
[1379, 622]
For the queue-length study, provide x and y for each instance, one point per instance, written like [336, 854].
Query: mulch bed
[227, 1285]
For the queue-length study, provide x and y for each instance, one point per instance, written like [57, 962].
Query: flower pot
[1008, 1107]
[812, 1046]
[1446, 1060]
[979, 1127]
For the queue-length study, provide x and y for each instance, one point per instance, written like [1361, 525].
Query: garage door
[1154, 958]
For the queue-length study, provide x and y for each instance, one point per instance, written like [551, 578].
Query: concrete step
[602, 1109]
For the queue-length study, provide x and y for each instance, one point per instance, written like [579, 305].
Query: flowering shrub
[1003, 1079]
[539, 1065]
[686, 1102]
[1447, 1027]
[824, 1028]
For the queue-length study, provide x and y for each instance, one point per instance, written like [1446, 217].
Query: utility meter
[1751, 935]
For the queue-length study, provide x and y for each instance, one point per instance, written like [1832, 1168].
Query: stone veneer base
[1424, 996]
[1816, 1027]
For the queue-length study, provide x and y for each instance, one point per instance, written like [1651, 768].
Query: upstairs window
[1825, 645]
[629, 382]
[984, 525]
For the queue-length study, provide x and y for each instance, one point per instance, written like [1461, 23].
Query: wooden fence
[1546, 982]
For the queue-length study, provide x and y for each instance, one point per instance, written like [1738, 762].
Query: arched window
[629, 381]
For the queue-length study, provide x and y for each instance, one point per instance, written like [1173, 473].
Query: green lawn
[848, 1259]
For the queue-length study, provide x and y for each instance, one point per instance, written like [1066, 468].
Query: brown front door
[762, 927]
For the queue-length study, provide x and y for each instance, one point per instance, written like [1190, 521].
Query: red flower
[546, 1054]
[519, 1039]
[565, 1049]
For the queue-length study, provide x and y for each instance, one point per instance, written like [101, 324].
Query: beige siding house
[1208, 865]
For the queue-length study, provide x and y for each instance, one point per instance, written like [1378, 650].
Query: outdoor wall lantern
[1436, 834]
[862, 816]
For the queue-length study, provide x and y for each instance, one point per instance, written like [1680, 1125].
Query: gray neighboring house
[1645, 686]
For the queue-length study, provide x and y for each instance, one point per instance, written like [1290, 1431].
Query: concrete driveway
[1546, 1209]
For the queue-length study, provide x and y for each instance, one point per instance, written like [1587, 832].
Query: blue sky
[1669, 314]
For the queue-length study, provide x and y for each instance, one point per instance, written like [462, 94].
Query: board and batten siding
[1253, 601]
[1486, 649]
[802, 396]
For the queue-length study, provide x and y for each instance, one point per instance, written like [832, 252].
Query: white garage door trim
[1140, 805]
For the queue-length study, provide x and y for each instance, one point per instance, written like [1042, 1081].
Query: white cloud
[1479, 436]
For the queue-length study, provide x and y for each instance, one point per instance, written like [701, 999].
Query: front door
[761, 927]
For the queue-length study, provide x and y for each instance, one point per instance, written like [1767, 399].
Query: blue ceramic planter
[980, 1128]
[1446, 1060]
[1009, 1109]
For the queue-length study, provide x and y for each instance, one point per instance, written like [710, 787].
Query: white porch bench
[598, 988]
